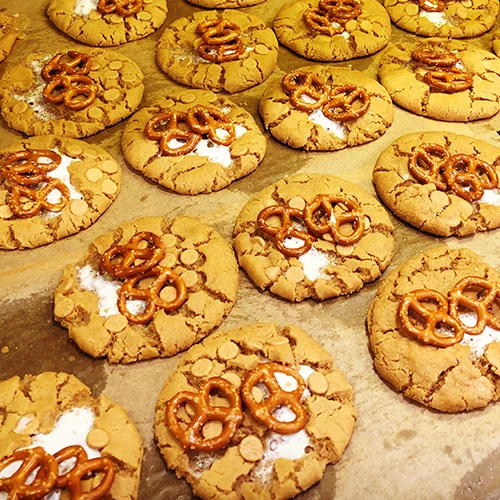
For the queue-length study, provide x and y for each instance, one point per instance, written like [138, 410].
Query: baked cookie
[9, 33]
[88, 92]
[225, 4]
[257, 370]
[186, 278]
[225, 144]
[325, 109]
[53, 418]
[495, 42]
[313, 236]
[218, 50]
[455, 19]
[425, 334]
[109, 24]
[442, 79]
[441, 183]
[53, 187]
[329, 30]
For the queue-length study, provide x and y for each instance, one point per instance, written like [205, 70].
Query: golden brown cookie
[404, 78]
[177, 52]
[332, 266]
[119, 93]
[86, 298]
[9, 33]
[83, 21]
[258, 462]
[225, 4]
[91, 176]
[311, 129]
[432, 202]
[208, 166]
[450, 379]
[495, 42]
[56, 410]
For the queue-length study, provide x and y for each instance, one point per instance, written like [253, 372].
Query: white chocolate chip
[93, 174]
[116, 323]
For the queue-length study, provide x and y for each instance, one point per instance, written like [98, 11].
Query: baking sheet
[399, 449]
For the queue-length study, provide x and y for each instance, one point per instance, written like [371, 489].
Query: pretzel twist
[231, 417]
[64, 89]
[263, 412]
[221, 40]
[59, 65]
[303, 83]
[435, 57]
[320, 20]
[342, 99]
[211, 121]
[25, 168]
[132, 251]
[286, 229]
[432, 5]
[334, 221]
[449, 80]
[427, 162]
[341, 11]
[124, 8]
[331, 11]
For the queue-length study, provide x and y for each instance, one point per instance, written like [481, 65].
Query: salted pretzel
[298, 84]
[286, 229]
[25, 167]
[265, 373]
[32, 458]
[151, 295]
[412, 303]
[340, 106]
[341, 11]
[66, 88]
[208, 120]
[463, 175]
[165, 127]
[124, 8]
[320, 20]
[432, 5]
[489, 294]
[130, 252]
[435, 57]
[231, 418]
[427, 162]
[71, 63]
[449, 80]
[324, 203]
[221, 40]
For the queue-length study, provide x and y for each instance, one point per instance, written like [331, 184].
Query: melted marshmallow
[491, 197]
[85, 7]
[477, 343]
[335, 128]
[313, 261]
[436, 18]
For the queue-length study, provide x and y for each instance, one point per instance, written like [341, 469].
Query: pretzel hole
[286, 382]
[444, 330]
[176, 143]
[467, 316]
[218, 398]
[283, 413]
[145, 283]
[426, 164]
[54, 196]
[212, 429]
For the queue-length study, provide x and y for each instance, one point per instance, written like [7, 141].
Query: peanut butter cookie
[225, 4]
[9, 33]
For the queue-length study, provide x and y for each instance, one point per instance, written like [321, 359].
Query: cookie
[460, 82]
[360, 35]
[206, 166]
[225, 4]
[443, 19]
[118, 94]
[259, 462]
[350, 118]
[495, 42]
[53, 411]
[84, 21]
[86, 299]
[92, 179]
[9, 33]
[461, 376]
[246, 60]
[409, 180]
[326, 248]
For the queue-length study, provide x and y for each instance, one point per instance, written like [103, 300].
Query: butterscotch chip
[20, 107]
[111, 95]
[261, 49]
[190, 410]
[116, 19]
[254, 345]
[111, 75]
[351, 25]
[294, 274]
[109, 166]
[95, 15]
[411, 9]
[202, 367]
[212, 429]
[97, 439]
[233, 378]
[31, 427]
[116, 323]
[345, 249]
[95, 113]
[5, 212]
[78, 207]
[317, 383]
[169, 240]
[115, 65]
[67, 285]
[169, 293]
[462, 13]
[74, 150]
[93, 174]
[169, 260]
[189, 256]
[64, 307]
[144, 16]
[251, 448]
[95, 66]
[273, 272]
[278, 341]
[190, 278]
[297, 202]
[109, 187]
[129, 78]
[187, 97]
[239, 150]
[257, 394]
[366, 223]
[227, 351]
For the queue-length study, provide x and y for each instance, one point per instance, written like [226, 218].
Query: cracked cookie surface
[459, 19]
[290, 463]
[451, 379]
[424, 206]
[495, 42]
[93, 177]
[86, 298]
[177, 53]
[225, 4]
[210, 167]
[24, 108]
[313, 131]
[328, 269]
[402, 77]
[81, 20]
[9, 33]
[55, 410]
[365, 35]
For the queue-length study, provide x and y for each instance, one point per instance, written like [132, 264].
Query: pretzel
[320, 20]
[435, 57]
[231, 417]
[170, 120]
[65, 88]
[31, 458]
[25, 168]
[449, 80]
[263, 412]
[208, 120]
[342, 98]
[124, 8]
[304, 83]
[433, 157]
[412, 301]
[78, 63]
[38, 197]
[353, 215]
[341, 11]
[432, 6]
[221, 40]
[151, 295]
[286, 229]
[461, 172]
[482, 307]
